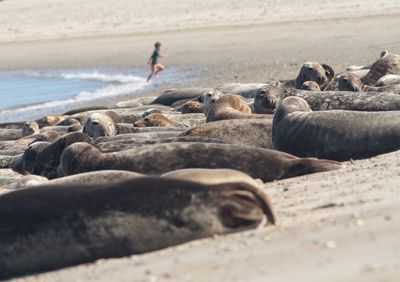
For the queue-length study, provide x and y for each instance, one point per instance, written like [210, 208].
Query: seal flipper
[303, 166]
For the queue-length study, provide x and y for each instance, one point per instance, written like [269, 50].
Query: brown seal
[337, 135]
[313, 71]
[191, 107]
[310, 86]
[227, 107]
[208, 98]
[88, 222]
[30, 127]
[154, 120]
[161, 158]
[350, 82]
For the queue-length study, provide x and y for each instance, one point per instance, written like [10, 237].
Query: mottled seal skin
[387, 64]
[28, 161]
[126, 144]
[12, 125]
[266, 99]
[336, 135]
[151, 111]
[313, 71]
[6, 161]
[154, 120]
[68, 122]
[237, 132]
[169, 97]
[209, 98]
[10, 134]
[137, 102]
[87, 222]
[191, 107]
[30, 127]
[161, 158]
[51, 120]
[232, 107]
[99, 125]
[344, 100]
[84, 109]
[350, 82]
[310, 86]
[246, 90]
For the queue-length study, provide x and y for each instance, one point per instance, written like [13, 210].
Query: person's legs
[152, 72]
[159, 68]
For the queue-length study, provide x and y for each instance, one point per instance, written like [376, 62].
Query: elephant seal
[387, 64]
[246, 90]
[161, 158]
[87, 222]
[191, 107]
[313, 71]
[99, 125]
[337, 135]
[350, 82]
[154, 120]
[169, 97]
[266, 99]
[237, 132]
[344, 100]
[310, 86]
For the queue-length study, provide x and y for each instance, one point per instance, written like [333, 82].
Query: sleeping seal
[54, 226]
[161, 158]
[336, 135]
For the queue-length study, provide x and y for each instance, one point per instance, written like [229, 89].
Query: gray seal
[336, 135]
[84, 223]
[161, 158]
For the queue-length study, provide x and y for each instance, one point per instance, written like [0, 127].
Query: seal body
[154, 120]
[336, 135]
[171, 96]
[161, 158]
[85, 223]
[228, 107]
[246, 90]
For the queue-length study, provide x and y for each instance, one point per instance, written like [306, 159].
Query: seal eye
[209, 94]
[146, 119]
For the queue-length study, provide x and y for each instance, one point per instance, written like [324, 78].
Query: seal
[154, 120]
[161, 158]
[389, 79]
[237, 132]
[89, 222]
[88, 178]
[10, 134]
[266, 99]
[169, 97]
[137, 102]
[30, 127]
[84, 109]
[310, 86]
[313, 71]
[350, 82]
[51, 120]
[246, 90]
[208, 98]
[344, 100]
[231, 107]
[336, 135]
[99, 125]
[212, 176]
[388, 64]
[191, 107]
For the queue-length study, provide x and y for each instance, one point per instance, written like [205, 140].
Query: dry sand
[336, 226]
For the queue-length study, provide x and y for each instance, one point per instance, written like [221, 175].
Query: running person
[156, 68]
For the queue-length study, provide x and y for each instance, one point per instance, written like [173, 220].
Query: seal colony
[152, 172]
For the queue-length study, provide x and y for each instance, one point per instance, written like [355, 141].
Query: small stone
[330, 244]
[360, 222]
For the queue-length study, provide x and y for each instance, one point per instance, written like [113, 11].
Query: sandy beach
[336, 226]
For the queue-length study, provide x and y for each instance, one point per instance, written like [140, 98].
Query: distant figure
[156, 68]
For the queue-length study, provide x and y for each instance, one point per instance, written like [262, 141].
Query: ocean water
[31, 94]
